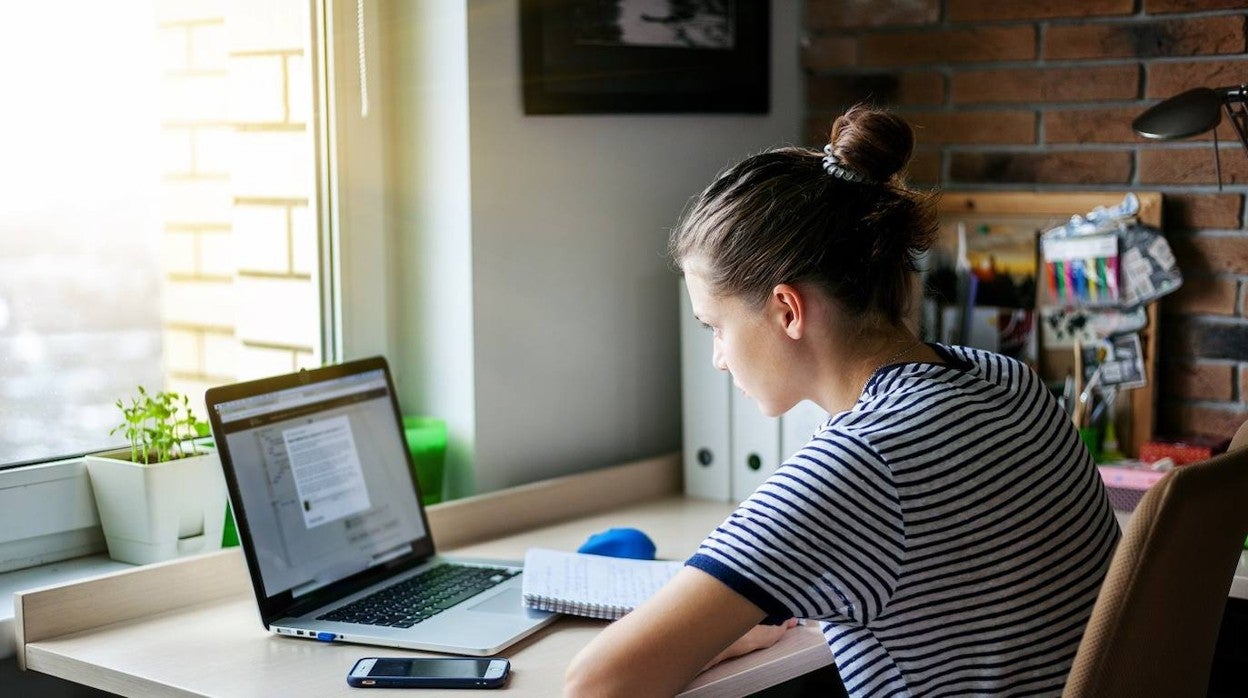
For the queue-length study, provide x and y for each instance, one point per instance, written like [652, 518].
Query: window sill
[49, 533]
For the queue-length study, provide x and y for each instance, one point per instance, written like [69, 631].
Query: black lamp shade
[1182, 116]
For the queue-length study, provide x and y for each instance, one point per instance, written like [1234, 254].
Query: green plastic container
[1092, 440]
[229, 534]
[426, 440]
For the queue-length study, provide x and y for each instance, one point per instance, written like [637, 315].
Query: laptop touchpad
[509, 602]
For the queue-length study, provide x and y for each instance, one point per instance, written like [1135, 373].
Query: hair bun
[872, 141]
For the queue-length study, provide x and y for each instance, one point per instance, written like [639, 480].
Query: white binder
[798, 425]
[705, 393]
[755, 445]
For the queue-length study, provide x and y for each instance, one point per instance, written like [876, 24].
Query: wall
[572, 309]
[1039, 96]
[426, 79]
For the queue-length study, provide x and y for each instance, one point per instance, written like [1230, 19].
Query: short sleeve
[823, 538]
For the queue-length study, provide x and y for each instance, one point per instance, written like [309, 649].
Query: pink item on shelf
[1126, 484]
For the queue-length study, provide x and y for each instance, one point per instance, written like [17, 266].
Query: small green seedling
[160, 427]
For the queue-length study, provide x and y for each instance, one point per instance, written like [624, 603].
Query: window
[160, 224]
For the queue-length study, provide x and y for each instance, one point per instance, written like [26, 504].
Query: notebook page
[577, 580]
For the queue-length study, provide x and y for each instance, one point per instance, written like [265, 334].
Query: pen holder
[1091, 437]
[426, 441]
[229, 533]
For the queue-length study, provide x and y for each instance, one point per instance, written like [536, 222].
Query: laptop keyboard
[427, 594]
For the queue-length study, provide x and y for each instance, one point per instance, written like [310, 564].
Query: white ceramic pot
[160, 511]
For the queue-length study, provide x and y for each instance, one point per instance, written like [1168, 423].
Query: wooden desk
[190, 627]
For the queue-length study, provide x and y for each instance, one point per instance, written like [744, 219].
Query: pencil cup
[1092, 440]
[426, 441]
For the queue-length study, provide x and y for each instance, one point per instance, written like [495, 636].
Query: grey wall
[573, 337]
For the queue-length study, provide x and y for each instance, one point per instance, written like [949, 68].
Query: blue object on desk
[619, 542]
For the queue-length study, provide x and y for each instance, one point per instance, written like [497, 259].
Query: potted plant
[164, 496]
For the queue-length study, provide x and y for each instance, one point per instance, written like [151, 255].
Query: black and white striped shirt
[950, 530]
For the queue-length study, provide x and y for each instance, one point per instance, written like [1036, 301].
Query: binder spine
[755, 446]
[705, 393]
[798, 425]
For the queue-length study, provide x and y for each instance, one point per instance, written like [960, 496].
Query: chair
[1155, 623]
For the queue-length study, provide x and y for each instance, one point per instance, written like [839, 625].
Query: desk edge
[53, 611]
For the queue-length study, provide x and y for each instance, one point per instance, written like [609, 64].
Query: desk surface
[211, 642]
[190, 627]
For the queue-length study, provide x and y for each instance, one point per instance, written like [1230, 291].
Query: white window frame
[47, 512]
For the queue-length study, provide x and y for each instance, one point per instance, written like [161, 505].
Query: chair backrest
[1155, 622]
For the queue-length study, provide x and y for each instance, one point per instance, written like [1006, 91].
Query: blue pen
[1081, 282]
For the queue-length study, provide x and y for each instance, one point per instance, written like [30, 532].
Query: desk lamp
[1195, 112]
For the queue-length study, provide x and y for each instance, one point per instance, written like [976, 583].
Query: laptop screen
[324, 477]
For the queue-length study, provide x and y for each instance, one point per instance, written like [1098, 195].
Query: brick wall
[275, 232]
[239, 294]
[1039, 96]
[197, 298]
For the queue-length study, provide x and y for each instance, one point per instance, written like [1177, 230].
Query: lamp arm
[1238, 119]
[1236, 94]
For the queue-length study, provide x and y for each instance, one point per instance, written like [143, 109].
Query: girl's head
[796, 216]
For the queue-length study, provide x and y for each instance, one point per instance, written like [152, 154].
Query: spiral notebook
[594, 586]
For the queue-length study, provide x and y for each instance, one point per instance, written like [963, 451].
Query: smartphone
[429, 672]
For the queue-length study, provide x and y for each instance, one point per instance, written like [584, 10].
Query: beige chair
[1155, 623]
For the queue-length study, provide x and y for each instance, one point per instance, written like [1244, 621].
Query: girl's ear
[789, 308]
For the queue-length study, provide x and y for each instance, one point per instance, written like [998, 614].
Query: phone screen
[431, 668]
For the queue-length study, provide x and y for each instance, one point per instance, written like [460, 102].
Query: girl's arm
[691, 623]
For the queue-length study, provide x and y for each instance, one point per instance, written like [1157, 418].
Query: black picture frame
[566, 73]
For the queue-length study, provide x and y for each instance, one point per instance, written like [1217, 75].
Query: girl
[945, 525]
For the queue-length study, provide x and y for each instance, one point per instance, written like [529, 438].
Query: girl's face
[749, 343]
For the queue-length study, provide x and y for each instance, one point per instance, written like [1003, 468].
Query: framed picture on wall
[645, 56]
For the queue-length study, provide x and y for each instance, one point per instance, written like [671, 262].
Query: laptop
[330, 519]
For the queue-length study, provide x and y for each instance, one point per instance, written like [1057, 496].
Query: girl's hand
[759, 637]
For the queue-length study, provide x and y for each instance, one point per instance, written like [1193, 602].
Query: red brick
[1053, 167]
[1164, 80]
[976, 10]
[973, 127]
[1178, 37]
[1090, 125]
[1197, 381]
[1162, 6]
[1202, 294]
[921, 88]
[851, 14]
[906, 89]
[1011, 43]
[1184, 419]
[829, 52]
[1191, 166]
[1112, 82]
[1204, 254]
[924, 168]
[1188, 211]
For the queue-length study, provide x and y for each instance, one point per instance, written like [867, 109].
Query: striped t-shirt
[950, 530]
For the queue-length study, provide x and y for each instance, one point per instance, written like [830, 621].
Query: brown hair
[781, 217]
